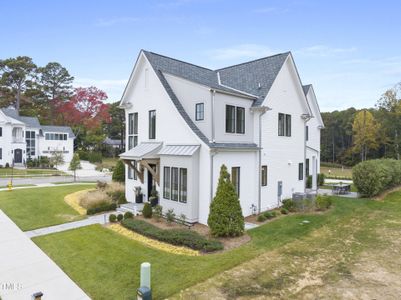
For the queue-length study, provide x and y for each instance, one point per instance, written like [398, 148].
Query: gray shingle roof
[62, 129]
[29, 121]
[248, 76]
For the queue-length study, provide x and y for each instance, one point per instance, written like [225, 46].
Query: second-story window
[307, 133]
[152, 124]
[132, 130]
[199, 111]
[235, 119]
[1, 131]
[284, 124]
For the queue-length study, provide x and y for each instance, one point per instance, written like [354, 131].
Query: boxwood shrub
[178, 237]
[95, 210]
[372, 177]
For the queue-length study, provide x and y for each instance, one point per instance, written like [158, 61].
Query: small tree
[75, 164]
[225, 216]
[57, 158]
[119, 172]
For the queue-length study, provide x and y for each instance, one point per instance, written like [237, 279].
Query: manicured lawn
[94, 254]
[107, 163]
[336, 172]
[39, 207]
[6, 172]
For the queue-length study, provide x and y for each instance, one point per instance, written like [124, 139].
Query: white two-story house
[23, 137]
[184, 121]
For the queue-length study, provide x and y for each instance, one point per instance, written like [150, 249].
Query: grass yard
[107, 163]
[40, 207]
[106, 265]
[6, 172]
[345, 173]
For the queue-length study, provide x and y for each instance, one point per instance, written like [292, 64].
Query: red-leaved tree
[86, 108]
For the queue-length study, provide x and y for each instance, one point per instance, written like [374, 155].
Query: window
[199, 111]
[1, 131]
[235, 119]
[307, 133]
[1, 153]
[284, 125]
[131, 172]
[264, 176]
[132, 130]
[235, 179]
[230, 119]
[183, 185]
[53, 136]
[166, 183]
[30, 143]
[240, 120]
[152, 124]
[307, 167]
[300, 171]
[174, 184]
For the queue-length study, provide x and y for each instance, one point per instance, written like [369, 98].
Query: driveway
[25, 269]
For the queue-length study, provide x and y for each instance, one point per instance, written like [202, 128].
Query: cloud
[269, 10]
[243, 51]
[324, 51]
[114, 21]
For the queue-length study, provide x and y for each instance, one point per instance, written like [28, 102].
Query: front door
[151, 182]
[18, 156]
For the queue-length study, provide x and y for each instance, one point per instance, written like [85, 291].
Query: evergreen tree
[119, 172]
[75, 164]
[225, 216]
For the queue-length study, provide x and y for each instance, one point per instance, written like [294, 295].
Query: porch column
[314, 173]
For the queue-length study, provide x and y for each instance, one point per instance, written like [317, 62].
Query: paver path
[25, 269]
[97, 219]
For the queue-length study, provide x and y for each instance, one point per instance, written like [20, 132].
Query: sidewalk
[25, 269]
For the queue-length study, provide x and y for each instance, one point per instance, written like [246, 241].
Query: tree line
[352, 135]
[47, 92]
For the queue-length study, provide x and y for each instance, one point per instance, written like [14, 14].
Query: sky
[349, 50]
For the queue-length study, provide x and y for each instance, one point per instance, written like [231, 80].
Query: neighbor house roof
[61, 129]
[29, 121]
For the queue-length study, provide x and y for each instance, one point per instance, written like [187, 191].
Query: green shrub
[95, 157]
[269, 214]
[147, 210]
[309, 182]
[170, 216]
[320, 179]
[284, 211]
[178, 237]
[158, 212]
[112, 218]
[119, 172]
[225, 216]
[182, 219]
[118, 196]
[261, 218]
[120, 217]
[372, 177]
[102, 208]
[128, 215]
[289, 205]
[323, 202]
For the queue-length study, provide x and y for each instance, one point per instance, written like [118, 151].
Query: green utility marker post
[144, 292]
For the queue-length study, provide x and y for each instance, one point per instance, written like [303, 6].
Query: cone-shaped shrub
[119, 172]
[225, 215]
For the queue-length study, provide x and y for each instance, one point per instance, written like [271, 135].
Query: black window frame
[263, 175]
[284, 124]
[1, 131]
[152, 124]
[307, 171]
[166, 182]
[240, 122]
[301, 171]
[183, 182]
[237, 183]
[200, 111]
[307, 133]
[230, 122]
[175, 182]
[288, 125]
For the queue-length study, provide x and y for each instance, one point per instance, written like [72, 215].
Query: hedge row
[95, 210]
[178, 237]
[372, 177]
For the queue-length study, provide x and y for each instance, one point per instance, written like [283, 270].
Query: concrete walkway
[25, 269]
[97, 219]
[41, 185]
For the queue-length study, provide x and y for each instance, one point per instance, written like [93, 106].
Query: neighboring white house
[23, 137]
[185, 121]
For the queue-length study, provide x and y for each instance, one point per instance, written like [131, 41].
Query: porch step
[135, 208]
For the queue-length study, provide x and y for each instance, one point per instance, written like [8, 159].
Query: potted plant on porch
[154, 197]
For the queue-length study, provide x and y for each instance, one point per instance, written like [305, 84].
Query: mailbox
[144, 293]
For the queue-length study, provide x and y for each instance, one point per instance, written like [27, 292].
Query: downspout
[212, 154]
